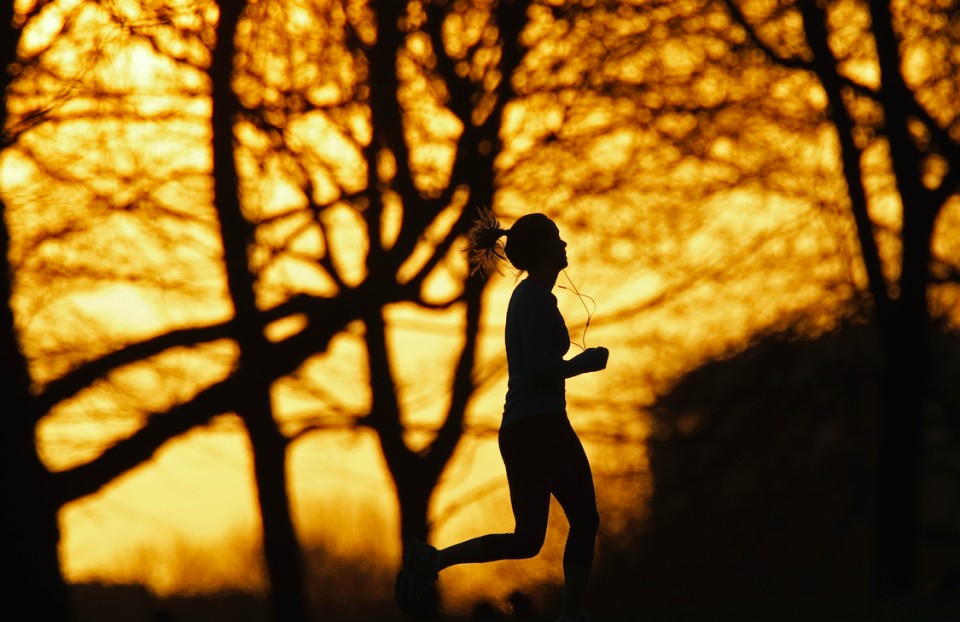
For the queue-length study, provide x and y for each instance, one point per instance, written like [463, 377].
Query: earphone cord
[589, 312]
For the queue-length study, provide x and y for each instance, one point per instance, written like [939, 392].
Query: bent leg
[529, 497]
[520, 544]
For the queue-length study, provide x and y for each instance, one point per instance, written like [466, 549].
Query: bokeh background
[244, 358]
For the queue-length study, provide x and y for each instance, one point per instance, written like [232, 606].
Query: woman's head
[532, 242]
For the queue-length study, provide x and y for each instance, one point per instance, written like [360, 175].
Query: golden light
[698, 187]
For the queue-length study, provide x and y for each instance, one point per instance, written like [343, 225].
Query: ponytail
[484, 247]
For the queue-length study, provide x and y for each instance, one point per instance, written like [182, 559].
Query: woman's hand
[595, 359]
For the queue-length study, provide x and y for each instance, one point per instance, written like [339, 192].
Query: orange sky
[764, 254]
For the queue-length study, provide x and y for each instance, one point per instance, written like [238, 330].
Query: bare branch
[71, 383]
[825, 66]
[141, 446]
[738, 17]
[856, 87]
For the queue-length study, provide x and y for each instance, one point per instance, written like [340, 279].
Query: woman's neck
[547, 278]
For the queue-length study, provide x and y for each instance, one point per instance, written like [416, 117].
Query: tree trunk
[902, 392]
[280, 547]
[281, 551]
[902, 317]
[34, 587]
[415, 476]
[413, 494]
[904, 388]
[906, 353]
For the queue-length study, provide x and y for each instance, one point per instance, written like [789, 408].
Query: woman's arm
[537, 320]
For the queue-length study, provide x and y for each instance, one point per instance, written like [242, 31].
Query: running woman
[540, 450]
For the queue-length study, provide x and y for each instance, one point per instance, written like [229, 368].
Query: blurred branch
[463, 385]
[457, 86]
[717, 272]
[898, 100]
[141, 446]
[738, 17]
[949, 185]
[440, 251]
[385, 412]
[387, 120]
[947, 145]
[945, 272]
[327, 318]
[825, 66]
[475, 495]
[859, 89]
[73, 382]
[32, 119]
[319, 424]
[346, 307]
[436, 306]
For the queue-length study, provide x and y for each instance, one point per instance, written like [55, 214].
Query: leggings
[543, 456]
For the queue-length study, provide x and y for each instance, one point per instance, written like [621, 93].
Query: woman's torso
[534, 329]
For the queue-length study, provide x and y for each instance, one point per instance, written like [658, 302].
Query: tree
[900, 109]
[35, 585]
[477, 102]
[181, 39]
[280, 543]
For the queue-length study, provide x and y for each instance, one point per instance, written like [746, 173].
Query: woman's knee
[527, 544]
[587, 521]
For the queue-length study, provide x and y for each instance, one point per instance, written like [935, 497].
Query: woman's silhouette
[540, 450]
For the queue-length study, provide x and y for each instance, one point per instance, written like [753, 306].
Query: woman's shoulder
[530, 292]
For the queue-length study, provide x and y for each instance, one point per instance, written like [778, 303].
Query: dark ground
[126, 603]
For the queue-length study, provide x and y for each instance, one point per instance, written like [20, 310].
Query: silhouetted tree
[252, 403]
[416, 472]
[33, 586]
[269, 446]
[260, 361]
[906, 110]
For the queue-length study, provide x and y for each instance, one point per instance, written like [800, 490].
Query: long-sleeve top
[536, 339]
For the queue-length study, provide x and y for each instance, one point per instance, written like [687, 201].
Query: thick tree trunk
[902, 317]
[280, 546]
[415, 476]
[902, 393]
[907, 358]
[411, 475]
[904, 388]
[413, 495]
[34, 588]
[281, 550]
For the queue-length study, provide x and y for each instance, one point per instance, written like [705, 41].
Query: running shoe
[417, 573]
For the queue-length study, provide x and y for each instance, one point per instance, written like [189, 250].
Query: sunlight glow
[698, 184]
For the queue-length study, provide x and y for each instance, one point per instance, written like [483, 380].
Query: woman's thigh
[523, 457]
[543, 455]
[568, 475]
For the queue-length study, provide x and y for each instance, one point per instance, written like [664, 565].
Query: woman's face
[553, 250]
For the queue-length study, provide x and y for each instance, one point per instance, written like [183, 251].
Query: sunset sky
[697, 185]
